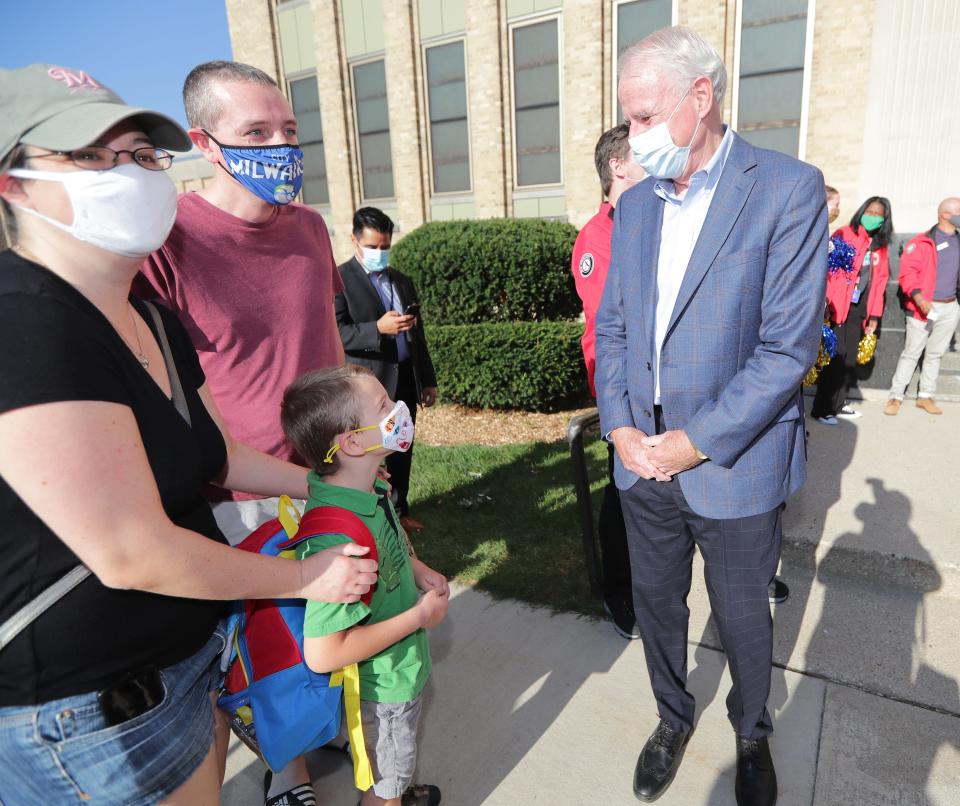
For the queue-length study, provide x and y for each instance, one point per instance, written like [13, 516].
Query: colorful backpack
[277, 705]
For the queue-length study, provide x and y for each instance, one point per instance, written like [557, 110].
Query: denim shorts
[390, 735]
[62, 751]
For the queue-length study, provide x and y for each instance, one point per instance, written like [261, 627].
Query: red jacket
[918, 270]
[840, 285]
[589, 264]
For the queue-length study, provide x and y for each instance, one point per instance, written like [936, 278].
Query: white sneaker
[828, 420]
[849, 413]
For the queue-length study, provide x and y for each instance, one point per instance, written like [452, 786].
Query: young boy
[344, 424]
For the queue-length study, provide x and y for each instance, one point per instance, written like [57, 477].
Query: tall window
[447, 101]
[306, 106]
[536, 103]
[770, 90]
[636, 20]
[373, 129]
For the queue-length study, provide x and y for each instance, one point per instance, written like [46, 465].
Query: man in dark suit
[378, 314]
[709, 320]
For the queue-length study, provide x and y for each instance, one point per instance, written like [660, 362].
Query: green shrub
[494, 270]
[534, 366]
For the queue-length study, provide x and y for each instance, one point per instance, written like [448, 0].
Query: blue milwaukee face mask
[272, 173]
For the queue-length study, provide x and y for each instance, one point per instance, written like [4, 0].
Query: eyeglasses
[101, 158]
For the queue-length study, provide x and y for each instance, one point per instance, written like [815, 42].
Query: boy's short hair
[316, 407]
[613, 144]
[202, 104]
[831, 191]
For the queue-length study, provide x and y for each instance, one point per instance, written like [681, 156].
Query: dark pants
[740, 558]
[399, 463]
[614, 554]
[840, 374]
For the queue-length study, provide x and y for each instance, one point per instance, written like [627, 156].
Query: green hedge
[534, 366]
[493, 270]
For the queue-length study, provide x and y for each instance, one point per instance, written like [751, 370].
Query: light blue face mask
[272, 173]
[655, 151]
[375, 259]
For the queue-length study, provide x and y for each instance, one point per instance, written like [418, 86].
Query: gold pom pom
[812, 376]
[866, 348]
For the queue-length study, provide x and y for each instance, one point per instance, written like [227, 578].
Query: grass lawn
[505, 518]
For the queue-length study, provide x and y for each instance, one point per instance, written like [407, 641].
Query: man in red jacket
[591, 257]
[930, 280]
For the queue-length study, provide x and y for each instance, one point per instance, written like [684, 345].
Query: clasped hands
[659, 457]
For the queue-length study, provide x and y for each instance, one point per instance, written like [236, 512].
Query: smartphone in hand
[413, 309]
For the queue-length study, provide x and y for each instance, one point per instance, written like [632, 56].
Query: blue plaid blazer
[744, 332]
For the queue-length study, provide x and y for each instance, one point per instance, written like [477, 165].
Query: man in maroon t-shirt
[252, 277]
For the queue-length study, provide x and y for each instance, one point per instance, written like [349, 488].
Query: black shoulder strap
[179, 399]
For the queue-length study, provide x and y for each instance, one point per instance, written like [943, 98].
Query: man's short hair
[316, 407]
[372, 218]
[831, 191]
[613, 144]
[203, 105]
[683, 55]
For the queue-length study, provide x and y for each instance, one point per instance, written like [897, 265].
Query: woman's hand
[871, 326]
[337, 574]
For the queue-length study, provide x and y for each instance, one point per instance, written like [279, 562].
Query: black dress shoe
[658, 762]
[756, 779]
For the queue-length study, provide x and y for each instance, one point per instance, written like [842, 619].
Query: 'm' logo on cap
[74, 80]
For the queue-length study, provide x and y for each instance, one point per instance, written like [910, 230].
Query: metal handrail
[581, 486]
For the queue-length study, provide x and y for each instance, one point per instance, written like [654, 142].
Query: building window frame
[615, 57]
[368, 58]
[434, 42]
[807, 75]
[289, 79]
[524, 22]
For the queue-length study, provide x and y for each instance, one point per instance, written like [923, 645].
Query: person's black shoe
[756, 778]
[778, 592]
[301, 795]
[421, 795]
[620, 609]
[658, 762]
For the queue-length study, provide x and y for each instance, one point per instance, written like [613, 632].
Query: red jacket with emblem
[589, 264]
[840, 285]
[918, 270]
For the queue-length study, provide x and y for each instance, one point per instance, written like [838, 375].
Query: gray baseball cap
[61, 109]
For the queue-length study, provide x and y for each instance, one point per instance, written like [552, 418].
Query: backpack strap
[335, 521]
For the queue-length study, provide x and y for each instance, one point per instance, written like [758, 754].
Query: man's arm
[911, 276]
[792, 304]
[356, 336]
[610, 334]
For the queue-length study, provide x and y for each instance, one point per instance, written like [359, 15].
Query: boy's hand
[337, 574]
[432, 608]
[429, 580]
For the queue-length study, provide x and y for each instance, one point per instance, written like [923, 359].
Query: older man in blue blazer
[709, 321]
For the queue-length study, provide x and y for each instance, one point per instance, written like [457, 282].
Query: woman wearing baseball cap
[105, 447]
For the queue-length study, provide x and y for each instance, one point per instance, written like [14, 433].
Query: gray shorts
[390, 734]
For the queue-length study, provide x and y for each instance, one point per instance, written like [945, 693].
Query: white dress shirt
[683, 218]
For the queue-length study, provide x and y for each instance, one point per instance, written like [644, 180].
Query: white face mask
[655, 151]
[396, 432]
[127, 210]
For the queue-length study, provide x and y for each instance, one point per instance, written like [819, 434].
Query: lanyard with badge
[856, 289]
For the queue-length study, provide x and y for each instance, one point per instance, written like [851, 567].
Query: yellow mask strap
[328, 459]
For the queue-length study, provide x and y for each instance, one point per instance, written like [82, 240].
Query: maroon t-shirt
[257, 301]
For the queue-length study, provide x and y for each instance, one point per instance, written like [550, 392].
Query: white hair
[682, 55]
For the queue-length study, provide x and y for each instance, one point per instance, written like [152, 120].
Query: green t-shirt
[399, 672]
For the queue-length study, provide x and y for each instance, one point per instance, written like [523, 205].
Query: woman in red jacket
[854, 304]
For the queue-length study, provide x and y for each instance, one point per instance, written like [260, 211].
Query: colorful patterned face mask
[272, 173]
[396, 432]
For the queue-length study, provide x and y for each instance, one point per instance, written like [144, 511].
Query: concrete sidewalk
[529, 707]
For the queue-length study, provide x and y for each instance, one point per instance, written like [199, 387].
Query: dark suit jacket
[358, 307]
